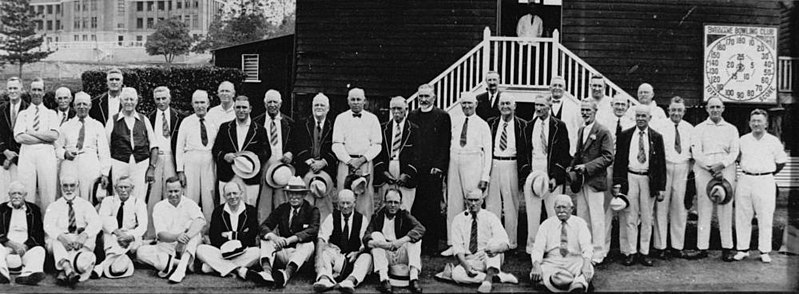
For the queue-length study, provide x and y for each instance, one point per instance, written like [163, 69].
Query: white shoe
[178, 276]
[448, 252]
[765, 258]
[741, 255]
[347, 286]
[507, 278]
[485, 287]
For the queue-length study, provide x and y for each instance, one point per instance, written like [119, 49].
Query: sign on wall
[741, 63]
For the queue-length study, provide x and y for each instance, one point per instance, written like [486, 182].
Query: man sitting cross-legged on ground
[21, 237]
[562, 251]
[124, 223]
[178, 222]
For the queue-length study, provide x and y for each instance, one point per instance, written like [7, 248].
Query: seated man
[71, 225]
[124, 223]
[394, 236]
[562, 251]
[21, 237]
[480, 256]
[235, 222]
[288, 234]
[339, 250]
[178, 222]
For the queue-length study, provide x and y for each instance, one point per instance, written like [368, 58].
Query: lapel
[173, 122]
[104, 107]
[495, 126]
[406, 132]
[591, 134]
[553, 128]
[233, 135]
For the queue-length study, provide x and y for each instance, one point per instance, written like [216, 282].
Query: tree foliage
[171, 38]
[20, 44]
[244, 21]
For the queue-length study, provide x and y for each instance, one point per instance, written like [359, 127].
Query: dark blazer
[558, 158]
[7, 141]
[432, 144]
[35, 228]
[246, 232]
[596, 154]
[484, 108]
[175, 119]
[227, 142]
[407, 157]
[306, 227]
[99, 110]
[70, 113]
[521, 148]
[301, 145]
[286, 126]
[404, 225]
[657, 160]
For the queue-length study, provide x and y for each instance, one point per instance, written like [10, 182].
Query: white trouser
[642, 207]
[408, 194]
[164, 169]
[299, 254]
[409, 253]
[330, 263]
[6, 177]
[670, 214]
[533, 207]
[269, 197]
[136, 172]
[480, 263]
[705, 209]
[465, 172]
[755, 196]
[212, 256]
[609, 214]
[364, 204]
[60, 253]
[503, 196]
[38, 172]
[555, 263]
[200, 172]
[589, 207]
[86, 167]
[158, 255]
[250, 194]
[32, 261]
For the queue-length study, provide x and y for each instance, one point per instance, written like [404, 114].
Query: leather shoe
[4, 280]
[678, 254]
[645, 260]
[629, 260]
[384, 287]
[697, 255]
[414, 287]
[727, 255]
[32, 279]
[659, 254]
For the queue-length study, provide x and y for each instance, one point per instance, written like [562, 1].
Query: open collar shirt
[761, 155]
[715, 143]
[219, 115]
[130, 122]
[175, 219]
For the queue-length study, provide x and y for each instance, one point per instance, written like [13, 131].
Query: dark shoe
[414, 287]
[256, 277]
[384, 287]
[727, 255]
[94, 275]
[659, 254]
[629, 260]
[697, 255]
[678, 254]
[32, 279]
[4, 280]
[281, 278]
[61, 279]
[645, 260]
[72, 279]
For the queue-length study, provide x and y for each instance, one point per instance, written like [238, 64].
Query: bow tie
[555, 101]
[356, 115]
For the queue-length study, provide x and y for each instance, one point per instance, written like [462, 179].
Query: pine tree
[20, 44]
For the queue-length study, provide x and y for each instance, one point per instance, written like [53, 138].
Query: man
[109, 103]
[287, 235]
[356, 142]
[715, 146]
[178, 224]
[9, 148]
[124, 221]
[193, 157]
[646, 96]
[639, 171]
[432, 152]
[565, 109]
[232, 221]
[132, 141]
[470, 160]
[340, 254]
[224, 112]
[547, 145]
[487, 102]
[591, 160]
[671, 215]
[21, 234]
[71, 225]
[508, 160]
[63, 97]
[36, 130]
[312, 141]
[563, 248]
[604, 110]
[479, 240]
[395, 165]
[278, 132]
[394, 238]
[238, 135]
[83, 146]
[762, 156]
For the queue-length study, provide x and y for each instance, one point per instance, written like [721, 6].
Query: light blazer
[407, 157]
[596, 153]
[558, 158]
[227, 142]
[657, 160]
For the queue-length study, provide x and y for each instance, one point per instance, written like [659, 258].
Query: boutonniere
[593, 136]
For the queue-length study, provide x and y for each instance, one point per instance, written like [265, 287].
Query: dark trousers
[427, 209]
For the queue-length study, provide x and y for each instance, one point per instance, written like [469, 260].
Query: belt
[640, 173]
[757, 174]
[505, 157]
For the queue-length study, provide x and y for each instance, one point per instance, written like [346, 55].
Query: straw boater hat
[231, 249]
[719, 191]
[559, 281]
[320, 183]
[619, 202]
[537, 184]
[296, 184]
[356, 183]
[246, 165]
[278, 174]
[120, 268]
[83, 263]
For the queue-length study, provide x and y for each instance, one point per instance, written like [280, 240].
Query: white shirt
[134, 221]
[219, 115]
[95, 142]
[587, 131]
[175, 219]
[190, 139]
[715, 142]
[163, 143]
[62, 115]
[625, 121]
[56, 219]
[241, 132]
[604, 110]
[277, 150]
[540, 126]
[18, 225]
[635, 146]
[113, 105]
[14, 109]
[356, 136]
[548, 238]
[326, 229]
[48, 121]
[763, 155]
[570, 115]
[234, 215]
[388, 228]
[666, 128]
[130, 122]
[489, 229]
[510, 147]
[478, 140]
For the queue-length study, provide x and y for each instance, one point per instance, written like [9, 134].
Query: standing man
[124, 221]
[395, 166]
[488, 102]
[36, 131]
[470, 160]
[639, 171]
[193, 157]
[762, 156]
[715, 147]
[671, 215]
[646, 96]
[509, 157]
[9, 148]
[166, 122]
[234, 137]
[278, 132]
[133, 143]
[604, 110]
[593, 156]
[432, 151]
[565, 109]
[21, 234]
[224, 112]
[109, 103]
[356, 142]
[63, 96]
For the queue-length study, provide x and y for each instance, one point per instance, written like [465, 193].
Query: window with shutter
[249, 64]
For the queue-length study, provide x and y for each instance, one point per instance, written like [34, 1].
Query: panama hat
[619, 202]
[83, 263]
[14, 263]
[296, 184]
[320, 183]
[278, 174]
[121, 267]
[231, 249]
[559, 281]
[399, 275]
[356, 183]
[719, 191]
[536, 184]
[246, 165]
[576, 181]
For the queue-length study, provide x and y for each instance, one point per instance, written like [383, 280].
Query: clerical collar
[426, 109]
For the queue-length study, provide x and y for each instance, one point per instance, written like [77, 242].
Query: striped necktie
[395, 144]
[273, 133]
[503, 139]
[73, 226]
[64, 116]
[36, 121]
[641, 150]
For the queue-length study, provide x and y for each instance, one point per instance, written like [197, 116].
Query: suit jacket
[657, 160]
[558, 158]
[286, 126]
[407, 156]
[306, 226]
[99, 110]
[35, 227]
[596, 153]
[227, 142]
[301, 145]
[7, 141]
[175, 119]
[404, 225]
[70, 113]
[432, 149]
[484, 108]
[246, 232]
[521, 148]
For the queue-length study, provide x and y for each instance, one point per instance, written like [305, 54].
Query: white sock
[383, 275]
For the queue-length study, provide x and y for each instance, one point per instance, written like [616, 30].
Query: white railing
[92, 44]
[785, 74]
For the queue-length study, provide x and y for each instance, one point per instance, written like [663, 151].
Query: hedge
[181, 81]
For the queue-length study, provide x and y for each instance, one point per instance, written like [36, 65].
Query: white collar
[238, 210]
[163, 112]
[277, 117]
[122, 115]
[23, 208]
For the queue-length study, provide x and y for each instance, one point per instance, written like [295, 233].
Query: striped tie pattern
[503, 139]
[473, 237]
[641, 151]
[72, 223]
[544, 138]
[395, 144]
[273, 133]
[36, 120]
[564, 240]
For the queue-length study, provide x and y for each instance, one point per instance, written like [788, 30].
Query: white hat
[246, 165]
[619, 202]
[121, 267]
[231, 249]
[83, 263]
[278, 175]
[536, 184]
